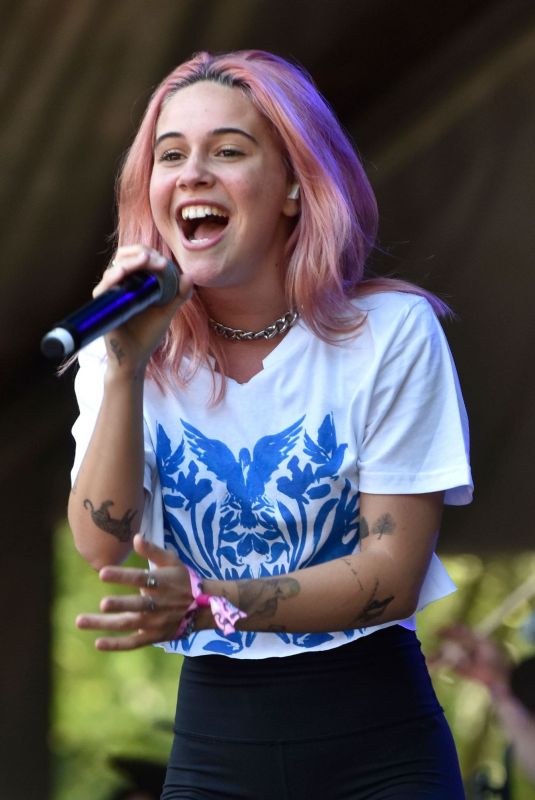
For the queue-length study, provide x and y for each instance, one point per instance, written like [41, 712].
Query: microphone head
[169, 280]
[57, 344]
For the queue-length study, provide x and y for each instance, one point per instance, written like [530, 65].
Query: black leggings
[360, 722]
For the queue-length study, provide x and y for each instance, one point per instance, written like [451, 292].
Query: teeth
[198, 212]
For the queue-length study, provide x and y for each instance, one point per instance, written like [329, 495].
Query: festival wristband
[224, 613]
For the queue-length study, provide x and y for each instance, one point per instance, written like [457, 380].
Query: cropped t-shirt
[268, 480]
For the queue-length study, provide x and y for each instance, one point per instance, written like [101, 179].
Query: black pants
[360, 722]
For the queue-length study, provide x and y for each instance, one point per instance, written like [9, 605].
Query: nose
[194, 172]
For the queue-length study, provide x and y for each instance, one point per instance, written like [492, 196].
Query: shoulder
[394, 314]
[392, 304]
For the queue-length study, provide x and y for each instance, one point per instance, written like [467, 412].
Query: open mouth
[202, 223]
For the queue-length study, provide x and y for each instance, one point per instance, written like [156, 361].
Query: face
[219, 188]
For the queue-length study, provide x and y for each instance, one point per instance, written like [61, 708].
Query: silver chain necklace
[281, 325]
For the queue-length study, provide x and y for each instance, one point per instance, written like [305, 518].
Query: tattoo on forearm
[383, 524]
[117, 350]
[353, 570]
[120, 528]
[373, 609]
[260, 598]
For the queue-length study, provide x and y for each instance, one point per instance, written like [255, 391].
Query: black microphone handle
[134, 294]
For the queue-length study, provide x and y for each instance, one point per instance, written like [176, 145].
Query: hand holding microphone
[138, 278]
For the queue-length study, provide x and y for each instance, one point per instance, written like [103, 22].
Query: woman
[284, 434]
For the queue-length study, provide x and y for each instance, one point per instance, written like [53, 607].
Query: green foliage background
[123, 703]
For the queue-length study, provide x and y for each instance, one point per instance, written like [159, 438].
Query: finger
[137, 602]
[138, 253]
[185, 288]
[110, 622]
[151, 551]
[124, 266]
[125, 576]
[123, 643]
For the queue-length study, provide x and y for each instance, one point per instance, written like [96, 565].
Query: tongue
[207, 229]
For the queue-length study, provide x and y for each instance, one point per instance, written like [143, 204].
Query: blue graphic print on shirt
[282, 507]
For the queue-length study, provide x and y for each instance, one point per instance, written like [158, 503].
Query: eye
[170, 155]
[229, 152]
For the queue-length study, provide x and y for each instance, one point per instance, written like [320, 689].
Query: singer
[278, 441]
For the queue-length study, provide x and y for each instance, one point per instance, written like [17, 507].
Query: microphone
[134, 294]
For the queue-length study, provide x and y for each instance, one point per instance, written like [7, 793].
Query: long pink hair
[329, 246]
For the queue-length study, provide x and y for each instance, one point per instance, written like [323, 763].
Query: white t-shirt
[268, 481]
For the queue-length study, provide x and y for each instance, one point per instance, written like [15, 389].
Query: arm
[378, 584]
[519, 727]
[106, 502]
[474, 656]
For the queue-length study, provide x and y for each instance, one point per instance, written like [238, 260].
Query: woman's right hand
[131, 345]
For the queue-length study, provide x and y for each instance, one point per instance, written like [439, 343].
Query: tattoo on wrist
[383, 524]
[117, 350]
[120, 528]
[260, 598]
[373, 609]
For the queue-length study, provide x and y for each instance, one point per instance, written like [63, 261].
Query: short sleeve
[416, 433]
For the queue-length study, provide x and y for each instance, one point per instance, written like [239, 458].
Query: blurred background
[439, 98]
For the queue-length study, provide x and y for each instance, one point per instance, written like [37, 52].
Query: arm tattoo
[373, 609]
[385, 524]
[120, 528]
[260, 598]
[117, 350]
[353, 570]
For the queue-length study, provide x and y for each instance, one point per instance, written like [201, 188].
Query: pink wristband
[224, 613]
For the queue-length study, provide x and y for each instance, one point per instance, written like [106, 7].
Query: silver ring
[151, 582]
[113, 263]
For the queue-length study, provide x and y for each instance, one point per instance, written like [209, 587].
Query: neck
[247, 311]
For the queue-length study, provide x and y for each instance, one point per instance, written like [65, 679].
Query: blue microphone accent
[109, 310]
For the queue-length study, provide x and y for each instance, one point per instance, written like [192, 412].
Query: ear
[291, 206]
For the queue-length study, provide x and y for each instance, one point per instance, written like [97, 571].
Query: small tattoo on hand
[117, 350]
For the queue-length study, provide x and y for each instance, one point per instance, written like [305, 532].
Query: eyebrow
[215, 132]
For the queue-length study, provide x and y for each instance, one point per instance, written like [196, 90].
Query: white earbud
[293, 194]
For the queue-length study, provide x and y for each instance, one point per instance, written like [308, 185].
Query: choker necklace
[281, 325]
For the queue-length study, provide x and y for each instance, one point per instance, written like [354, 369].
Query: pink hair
[327, 251]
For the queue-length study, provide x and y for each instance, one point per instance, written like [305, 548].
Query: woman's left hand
[154, 613]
